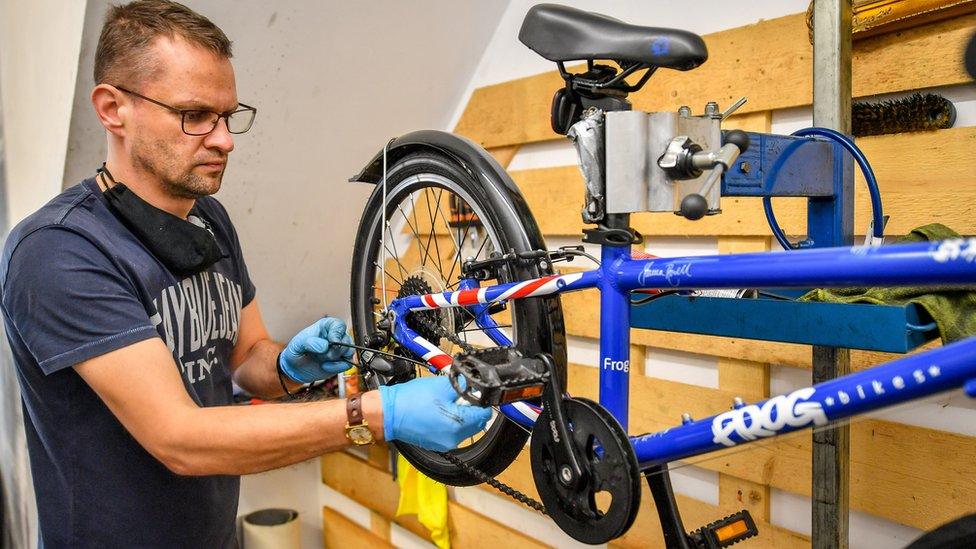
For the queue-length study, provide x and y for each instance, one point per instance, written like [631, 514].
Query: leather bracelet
[281, 378]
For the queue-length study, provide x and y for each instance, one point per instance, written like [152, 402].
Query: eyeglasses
[201, 122]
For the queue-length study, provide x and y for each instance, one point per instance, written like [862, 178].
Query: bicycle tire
[535, 320]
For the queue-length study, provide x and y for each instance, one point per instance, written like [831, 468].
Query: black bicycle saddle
[561, 33]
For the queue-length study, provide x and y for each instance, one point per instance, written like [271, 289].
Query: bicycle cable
[876, 234]
[652, 297]
[384, 228]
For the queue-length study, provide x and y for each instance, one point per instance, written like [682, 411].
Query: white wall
[39, 42]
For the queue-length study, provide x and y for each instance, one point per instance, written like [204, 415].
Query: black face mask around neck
[185, 247]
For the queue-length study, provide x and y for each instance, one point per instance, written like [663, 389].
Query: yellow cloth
[426, 498]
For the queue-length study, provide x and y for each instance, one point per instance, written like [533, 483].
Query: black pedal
[498, 375]
[725, 532]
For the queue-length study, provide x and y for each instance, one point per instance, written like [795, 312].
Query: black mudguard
[475, 160]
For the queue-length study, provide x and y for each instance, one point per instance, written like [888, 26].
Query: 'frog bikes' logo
[758, 421]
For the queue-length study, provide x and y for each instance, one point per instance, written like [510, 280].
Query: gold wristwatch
[357, 430]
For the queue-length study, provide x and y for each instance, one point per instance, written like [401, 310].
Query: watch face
[360, 434]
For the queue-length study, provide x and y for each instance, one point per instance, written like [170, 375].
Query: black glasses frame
[184, 112]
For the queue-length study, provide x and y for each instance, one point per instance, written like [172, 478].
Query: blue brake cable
[865, 167]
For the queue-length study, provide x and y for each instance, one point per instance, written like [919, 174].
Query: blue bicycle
[451, 275]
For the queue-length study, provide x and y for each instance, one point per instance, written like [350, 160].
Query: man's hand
[423, 412]
[311, 356]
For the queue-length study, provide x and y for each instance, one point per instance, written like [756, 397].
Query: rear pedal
[498, 375]
[725, 532]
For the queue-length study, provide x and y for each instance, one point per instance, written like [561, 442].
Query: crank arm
[568, 464]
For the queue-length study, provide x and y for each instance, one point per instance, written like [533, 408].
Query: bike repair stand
[821, 171]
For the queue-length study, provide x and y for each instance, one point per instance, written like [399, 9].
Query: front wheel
[438, 215]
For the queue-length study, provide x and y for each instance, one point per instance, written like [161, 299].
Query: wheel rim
[416, 203]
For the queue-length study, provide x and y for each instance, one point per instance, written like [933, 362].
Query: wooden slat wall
[910, 475]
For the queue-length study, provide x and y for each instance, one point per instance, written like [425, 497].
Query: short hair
[122, 55]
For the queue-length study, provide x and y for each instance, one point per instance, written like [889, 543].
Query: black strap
[281, 380]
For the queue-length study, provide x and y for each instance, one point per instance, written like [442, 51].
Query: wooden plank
[922, 180]
[738, 494]
[368, 486]
[379, 526]
[743, 376]
[874, 59]
[638, 357]
[759, 121]
[338, 531]
[769, 62]
[472, 530]
[379, 456]
[891, 464]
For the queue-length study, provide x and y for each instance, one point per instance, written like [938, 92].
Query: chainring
[611, 473]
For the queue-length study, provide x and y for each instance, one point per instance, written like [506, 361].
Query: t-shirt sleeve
[69, 302]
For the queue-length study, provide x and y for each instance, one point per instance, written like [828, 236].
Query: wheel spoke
[482, 329]
[457, 259]
[431, 214]
[387, 274]
[396, 255]
[400, 266]
[481, 248]
[437, 248]
[457, 244]
[413, 211]
[413, 229]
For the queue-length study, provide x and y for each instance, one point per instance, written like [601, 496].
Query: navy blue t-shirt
[77, 284]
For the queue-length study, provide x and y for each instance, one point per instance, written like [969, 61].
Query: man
[129, 311]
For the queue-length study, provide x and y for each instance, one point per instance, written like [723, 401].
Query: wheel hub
[421, 282]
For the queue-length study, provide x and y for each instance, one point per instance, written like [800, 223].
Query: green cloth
[952, 307]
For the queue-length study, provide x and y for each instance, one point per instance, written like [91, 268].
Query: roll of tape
[272, 529]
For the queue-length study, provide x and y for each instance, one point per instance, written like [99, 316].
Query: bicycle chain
[445, 333]
[469, 469]
[496, 484]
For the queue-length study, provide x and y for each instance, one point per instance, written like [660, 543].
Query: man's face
[190, 77]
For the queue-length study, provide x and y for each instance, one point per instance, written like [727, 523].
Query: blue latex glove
[309, 356]
[422, 412]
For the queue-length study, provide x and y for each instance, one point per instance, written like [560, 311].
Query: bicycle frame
[909, 378]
